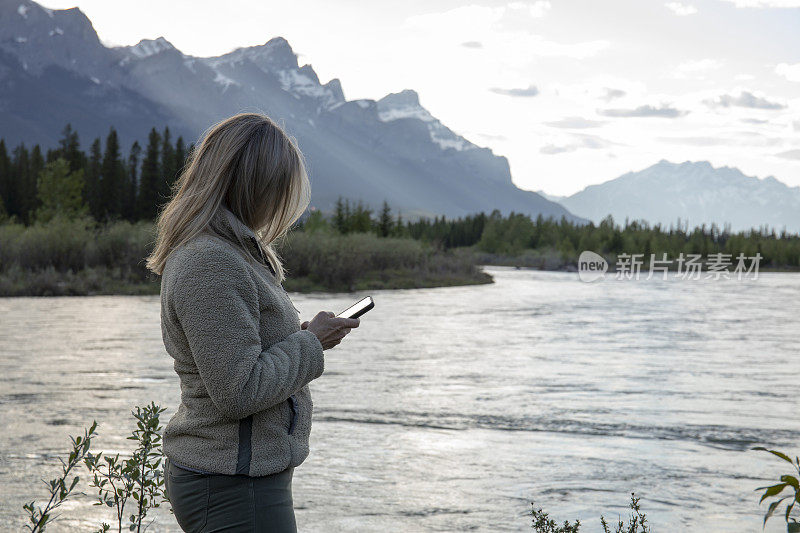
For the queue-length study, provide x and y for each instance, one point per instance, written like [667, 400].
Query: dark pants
[217, 502]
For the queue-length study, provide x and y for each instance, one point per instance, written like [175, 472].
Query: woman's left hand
[304, 325]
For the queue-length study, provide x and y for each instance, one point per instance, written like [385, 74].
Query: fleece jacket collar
[228, 220]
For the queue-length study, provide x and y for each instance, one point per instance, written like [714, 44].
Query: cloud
[472, 44]
[695, 68]
[681, 9]
[790, 154]
[536, 9]
[790, 72]
[745, 99]
[754, 121]
[492, 137]
[796, 125]
[575, 123]
[582, 50]
[751, 133]
[696, 141]
[665, 111]
[552, 149]
[699, 65]
[592, 142]
[530, 91]
[748, 139]
[765, 3]
[613, 93]
[500, 29]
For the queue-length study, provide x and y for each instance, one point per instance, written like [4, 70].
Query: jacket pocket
[293, 404]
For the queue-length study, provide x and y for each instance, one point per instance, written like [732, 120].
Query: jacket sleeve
[216, 302]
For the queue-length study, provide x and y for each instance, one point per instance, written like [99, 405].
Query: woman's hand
[329, 329]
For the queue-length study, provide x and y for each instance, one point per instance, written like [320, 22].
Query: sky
[572, 92]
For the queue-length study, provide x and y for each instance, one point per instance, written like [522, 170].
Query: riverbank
[80, 257]
[552, 260]
[109, 282]
[83, 258]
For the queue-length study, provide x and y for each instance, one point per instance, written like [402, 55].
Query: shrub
[139, 478]
[789, 481]
[59, 243]
[336, 261]
[637, 522]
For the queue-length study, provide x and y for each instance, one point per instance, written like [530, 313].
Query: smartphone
[358, 308]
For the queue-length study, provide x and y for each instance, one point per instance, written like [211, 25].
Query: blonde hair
[248, 164]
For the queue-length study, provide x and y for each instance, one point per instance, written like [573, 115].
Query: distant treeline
[103, 183]
[550, 243]
[517, 233]
[355, 217]
[109, 187]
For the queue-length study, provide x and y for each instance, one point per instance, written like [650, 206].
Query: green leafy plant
[637, 523]
[636, 520]
[41, 517]
[786, 480]
[140, 477]
[542, 523]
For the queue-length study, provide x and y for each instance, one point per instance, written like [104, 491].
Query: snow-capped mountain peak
[405, 105]
[39, 37]
[304, 81]
[277, 58]
[272, 56]
[149, 47]
[692, 191]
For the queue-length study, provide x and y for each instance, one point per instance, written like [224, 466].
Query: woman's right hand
[330, 329]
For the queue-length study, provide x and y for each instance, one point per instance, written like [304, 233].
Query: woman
[242, 355]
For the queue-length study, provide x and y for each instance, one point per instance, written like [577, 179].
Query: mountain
[54, 70]
[694, 192]
[551, 197]
[51, 63]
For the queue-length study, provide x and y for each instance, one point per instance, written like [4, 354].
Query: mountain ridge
[695, 192]
[391, 148]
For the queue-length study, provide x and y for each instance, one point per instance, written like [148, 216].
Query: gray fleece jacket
[243, 361]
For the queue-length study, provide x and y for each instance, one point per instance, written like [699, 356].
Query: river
[451, 409]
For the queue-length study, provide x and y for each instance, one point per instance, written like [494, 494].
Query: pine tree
[385, 221]
[60, 191]
[147, 199]
[5, 177]
[399, 228]
[69, 148]
[131, 182]
[180, 159]
[36, 165]
[20, 167]
[361, 219]
[340, 215]
[91, 191]
[169, 166]
[112, 178]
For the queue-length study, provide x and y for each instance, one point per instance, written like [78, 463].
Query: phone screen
[358, 308]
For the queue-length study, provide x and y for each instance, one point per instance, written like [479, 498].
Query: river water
[451, 409]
